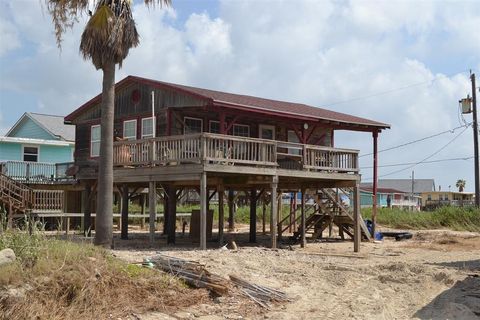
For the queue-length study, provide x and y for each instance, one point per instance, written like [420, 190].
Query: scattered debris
[192, 272]
[260, 294]
[196, 275]
[399, 236]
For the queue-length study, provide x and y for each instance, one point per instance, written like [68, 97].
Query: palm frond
[64, 14]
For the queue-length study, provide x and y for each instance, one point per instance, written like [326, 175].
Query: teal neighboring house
[35, 145]
[387, 197]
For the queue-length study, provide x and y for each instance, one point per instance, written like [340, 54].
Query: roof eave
[220, 103]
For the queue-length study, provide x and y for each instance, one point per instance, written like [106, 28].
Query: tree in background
[108, 36]
[460, 185]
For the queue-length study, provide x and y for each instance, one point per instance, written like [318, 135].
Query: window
[429, 197]
[214, 126]
[446, 197]
[192, 125]
[30, 153]
[266, 132]
[241, 130]
[147, 128]
[130, 129]
[95, 141]
[292, 137]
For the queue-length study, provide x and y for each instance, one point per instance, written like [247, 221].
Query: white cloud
[9, 39]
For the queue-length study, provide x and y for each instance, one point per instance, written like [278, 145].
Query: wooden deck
[186, 157]
[37, 172]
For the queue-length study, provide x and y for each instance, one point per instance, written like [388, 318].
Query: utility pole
[475, 139]
[413, 182]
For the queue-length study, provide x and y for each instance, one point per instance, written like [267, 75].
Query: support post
[253, 216]
[87, 211]
[357, 235]
[294, 211]
[264, 214]
[124, 220]
[231, 211]
[152, 208]
[166, 210]
[221, 214]
[304, 239]
[279, 214]
[273, 214]
[171, 213]
[375, 182]
[203, 211]
[142, 210]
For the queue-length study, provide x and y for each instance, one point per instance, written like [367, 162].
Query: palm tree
[460, 185]
[106, 40]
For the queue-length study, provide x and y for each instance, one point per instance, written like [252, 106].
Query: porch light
[305, 126]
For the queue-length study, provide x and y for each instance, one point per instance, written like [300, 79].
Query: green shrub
[455, 218]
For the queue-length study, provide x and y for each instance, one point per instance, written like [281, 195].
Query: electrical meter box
[466, 105]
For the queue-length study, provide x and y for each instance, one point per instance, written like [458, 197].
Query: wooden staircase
[15, 197]
[328, 211]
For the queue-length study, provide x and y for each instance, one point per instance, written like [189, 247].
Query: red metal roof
[231, 100]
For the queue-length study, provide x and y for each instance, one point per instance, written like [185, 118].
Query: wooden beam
[253, 216]
[212, 195]
[152, 207]
[87, 211]
[172, 214]
[142, 210]
[357, 235]
[230, 125]
[221, 214]
[231, 210]
[273, 214]
[264, 215]
[166, 209]
[124, 222]
[303, 242]
[203, 211]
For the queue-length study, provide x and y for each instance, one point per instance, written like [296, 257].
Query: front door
[266, 132]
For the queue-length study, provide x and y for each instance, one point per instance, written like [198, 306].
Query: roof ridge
[45, 114]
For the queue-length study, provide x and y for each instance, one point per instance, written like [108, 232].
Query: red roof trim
[271, 107]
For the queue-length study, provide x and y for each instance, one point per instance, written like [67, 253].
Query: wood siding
[133, 102]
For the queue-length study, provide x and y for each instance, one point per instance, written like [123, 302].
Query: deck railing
[47, 200]
[36, 172]
[233, 150]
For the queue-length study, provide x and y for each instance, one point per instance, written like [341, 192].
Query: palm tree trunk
[104, 218]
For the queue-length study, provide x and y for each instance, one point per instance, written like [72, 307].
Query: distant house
[389, 198]
[405, 185]
[34, 144]
[435, 199]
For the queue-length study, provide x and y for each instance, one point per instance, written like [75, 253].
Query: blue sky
[315, 52]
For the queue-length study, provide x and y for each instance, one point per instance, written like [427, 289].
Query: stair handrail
[11, 187]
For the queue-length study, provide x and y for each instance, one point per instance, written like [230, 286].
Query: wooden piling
[253, 216]
[203, 211]
[273, 214]
[124, 220]
[152, 208]
[221, 214]
[356, 218]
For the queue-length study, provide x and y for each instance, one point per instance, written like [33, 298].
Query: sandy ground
[436, 275]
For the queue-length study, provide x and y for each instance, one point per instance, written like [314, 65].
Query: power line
[425, 159]
[410, 163]
[418, 140]
[382, 93]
